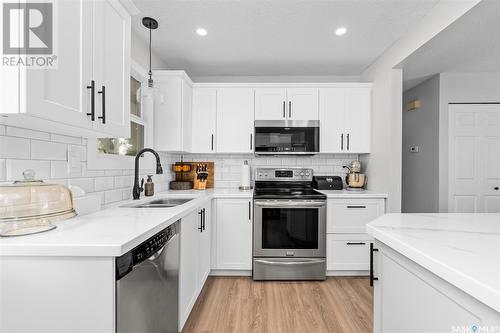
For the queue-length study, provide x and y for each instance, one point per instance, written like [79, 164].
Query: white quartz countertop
[463, 249]
[346, 194]
[112, 231]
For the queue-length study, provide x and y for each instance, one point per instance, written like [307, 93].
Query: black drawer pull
[372, 276]
[361, 207]
[356, 243]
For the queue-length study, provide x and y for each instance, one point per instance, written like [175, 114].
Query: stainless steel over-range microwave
[286, 137]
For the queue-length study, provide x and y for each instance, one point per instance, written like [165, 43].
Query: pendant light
[150, 91]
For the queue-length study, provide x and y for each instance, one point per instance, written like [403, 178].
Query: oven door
[289, 228]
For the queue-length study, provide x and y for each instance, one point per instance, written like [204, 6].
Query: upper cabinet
[345, 120]
[235, 120]
[204, 120]
[286, 104]
[173, 111]
[89, 87]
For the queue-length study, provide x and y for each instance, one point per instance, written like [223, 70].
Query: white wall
[460, 88]
[140, 53]
[384, 163]
[273, 79]
[420, 172]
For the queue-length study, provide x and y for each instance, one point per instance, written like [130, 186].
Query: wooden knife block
[191, 175]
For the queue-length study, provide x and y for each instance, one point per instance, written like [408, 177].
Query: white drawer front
[352, 215]
[348, 252]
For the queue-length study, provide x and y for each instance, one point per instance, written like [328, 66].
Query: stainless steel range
[289, 226]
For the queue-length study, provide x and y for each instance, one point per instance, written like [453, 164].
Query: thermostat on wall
[414, 149]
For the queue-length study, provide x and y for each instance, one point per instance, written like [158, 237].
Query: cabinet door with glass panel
[114, 152]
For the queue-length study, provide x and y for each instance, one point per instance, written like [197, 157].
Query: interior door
[112, 68]
[60, 94]
[270, 104]
[302, 104]
[204, 120]
[235, 120]
[474, 158]
[357, 120]
[332, 117]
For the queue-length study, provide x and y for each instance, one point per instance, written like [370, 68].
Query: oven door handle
[291, 263]
[290, 203]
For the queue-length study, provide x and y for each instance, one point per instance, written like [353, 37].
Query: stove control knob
[307, 174]
[302, 174]
[296, 173]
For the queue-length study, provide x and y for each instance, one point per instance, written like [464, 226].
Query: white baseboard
[228, 272]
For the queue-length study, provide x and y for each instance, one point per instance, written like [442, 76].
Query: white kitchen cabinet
[352, 215]
[270, 104]
[347, 252]
[173, 112]
[286, 104]
[93, 46]
[235, 120]
[188, 266]
[345, 114]
[205, 241]
[409, 298]
[233, 238]
[204, 120]
[302, 104]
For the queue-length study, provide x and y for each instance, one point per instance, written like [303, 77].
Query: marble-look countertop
[463, 249]
[113, 230]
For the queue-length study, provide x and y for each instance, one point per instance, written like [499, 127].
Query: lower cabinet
[347, 252]
[194, 259]
[347, 244]
[409, 298]
[233, 234]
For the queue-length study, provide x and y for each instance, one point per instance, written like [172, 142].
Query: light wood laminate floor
[235, 305]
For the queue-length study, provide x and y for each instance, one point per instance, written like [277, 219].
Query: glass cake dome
[29, 206]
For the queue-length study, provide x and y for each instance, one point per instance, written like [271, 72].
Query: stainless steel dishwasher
[147, 280]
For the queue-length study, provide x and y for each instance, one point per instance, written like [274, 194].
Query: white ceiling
[470, 44]
[276, 37]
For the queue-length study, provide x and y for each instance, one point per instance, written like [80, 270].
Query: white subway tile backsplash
[2, 129]
[122, 181]
[27, 133]
[15, 169]
[2, 170]
[59, 169]
[13, 147]
[113, 196]
[66, 139]
[104, 183]
[113, 172]
[43, 150]
[86, 184]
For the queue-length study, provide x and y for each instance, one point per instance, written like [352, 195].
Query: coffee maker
[355, 180]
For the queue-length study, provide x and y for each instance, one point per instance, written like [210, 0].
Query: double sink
[161, 203]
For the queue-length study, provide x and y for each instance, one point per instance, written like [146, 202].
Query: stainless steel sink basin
[161, 203]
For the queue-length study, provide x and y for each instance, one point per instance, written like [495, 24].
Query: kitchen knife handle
[103, 93]
[92, 100]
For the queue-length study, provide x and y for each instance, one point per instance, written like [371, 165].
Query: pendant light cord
[150, 81]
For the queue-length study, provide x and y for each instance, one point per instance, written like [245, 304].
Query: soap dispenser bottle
[149, 189]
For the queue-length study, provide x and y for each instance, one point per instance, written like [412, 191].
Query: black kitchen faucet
[136, 191]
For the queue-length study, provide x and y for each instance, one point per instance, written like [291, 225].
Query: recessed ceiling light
[201, 31]
[340, 31]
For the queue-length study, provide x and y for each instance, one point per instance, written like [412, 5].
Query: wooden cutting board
[191, 175]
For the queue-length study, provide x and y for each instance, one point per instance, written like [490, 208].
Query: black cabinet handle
[204, 219]
[289, 109]
[284, 109]
[103, 93]
[347, 141]
[92, 100]
[372, 277]
[495, 188]
[342, 141]
[355, 207]
[356, 243]
[251, 141]
[201, 220]
[250, 210]
[212, 142]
